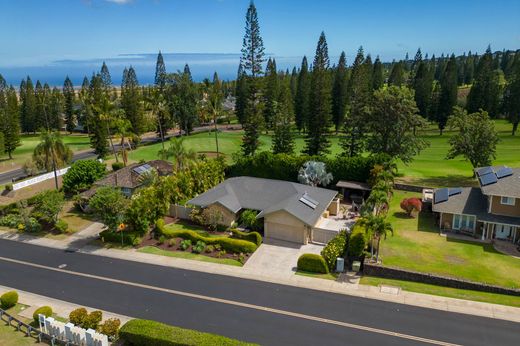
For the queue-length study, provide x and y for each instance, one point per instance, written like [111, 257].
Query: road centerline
[236, 303]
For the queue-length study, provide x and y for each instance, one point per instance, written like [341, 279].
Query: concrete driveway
[277, 259]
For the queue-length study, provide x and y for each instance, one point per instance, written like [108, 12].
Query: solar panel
[440, 195]
[504, 172]
[142, 169]
[455, 191]
[308, 201]
[309, 198]
[484, 170]
[488, 179]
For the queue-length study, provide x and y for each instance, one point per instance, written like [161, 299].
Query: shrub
[78, 316]
[172, 242]
[411, 205]
[117, 166]
[144, 332]
[312, 263]
[335, 248]
[110, 327]
[92, 320]
[11, 221]
[44, 310]
[248, 219]
[162, 240]
[9, 187]
[47, 205]
[109, 204]
[185, 244]
[61, 226]
[212, 217]
[209, 249]
[253, 237]
[199, 247]
[357, 242]
[129, 238]
[8, 299]
[82, 174]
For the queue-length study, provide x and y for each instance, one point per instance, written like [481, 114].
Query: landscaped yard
[10, 336]
[188, 255]
[417, 245]
[329, 276]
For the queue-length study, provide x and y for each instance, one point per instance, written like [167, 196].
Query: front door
[503, 231]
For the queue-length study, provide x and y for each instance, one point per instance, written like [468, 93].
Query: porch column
[440, 223]
[514, 236]
[484, 230]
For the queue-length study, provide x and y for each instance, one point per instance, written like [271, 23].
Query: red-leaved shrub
[411, 205]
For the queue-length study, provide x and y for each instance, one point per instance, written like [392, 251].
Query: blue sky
[37, 32]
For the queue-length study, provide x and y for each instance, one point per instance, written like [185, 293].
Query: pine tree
[41, 120]
[28, 107]
[131, 102]
[448, 96]
[105, 77]
[160, 72]
[283, 141]
[440, 68]
[55, 109]
[512, 96]
[469, 69]
[397, 74]
[320, 103]
[423, 86]
[301, 102]
[485, 91]
[241, 95]
[339, 92]
[377, 76]
[185, 100]
[10, 122]
[294, 83]
[252, 59]
[96, 123]
[271, 91]
[85, 110]
[69, 96]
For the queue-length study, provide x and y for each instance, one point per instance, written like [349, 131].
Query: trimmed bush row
[253, 237]
[144, 333]
[335, 248]
[44, 310]
[129, 238]
[8, 299]
[313, 263]
[228, 244]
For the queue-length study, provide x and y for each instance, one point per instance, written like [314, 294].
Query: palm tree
[376, 228]
[51, 153]
[107, 112]
[376, 203]
[123, 127]
[215, 98]
[158, 106]
[182, 157]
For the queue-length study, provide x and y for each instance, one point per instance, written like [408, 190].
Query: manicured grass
[329, 276]
[10, 336]
[76, 142]
[185, 226]
[76, 220]
[417, 245]
[188, 255]
[444, 291]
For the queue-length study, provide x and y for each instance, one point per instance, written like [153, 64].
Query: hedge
[44, 310]
[357, 242]
[335, 248]
[144, 332]
[228, 244]
[8, 299]
[313, 263]
[129, 238]
[253, 237]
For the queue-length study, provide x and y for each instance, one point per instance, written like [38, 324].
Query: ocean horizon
[202, 65]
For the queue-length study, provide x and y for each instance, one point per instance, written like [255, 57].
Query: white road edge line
[240, 304]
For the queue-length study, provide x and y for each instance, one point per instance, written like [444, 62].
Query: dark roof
[354, 185]
[163, 167]
[129, 176]
[508, 186]
[471, 201]
[268, 196]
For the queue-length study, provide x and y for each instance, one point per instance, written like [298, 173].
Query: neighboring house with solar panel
[491, 211]
[131, 177]
[290, 211]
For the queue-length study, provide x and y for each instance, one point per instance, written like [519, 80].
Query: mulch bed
[150, 241]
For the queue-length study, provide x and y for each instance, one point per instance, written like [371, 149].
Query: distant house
[491, 211]
[129, 178]
[290, 211]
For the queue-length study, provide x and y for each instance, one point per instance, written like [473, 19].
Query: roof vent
[308, 201]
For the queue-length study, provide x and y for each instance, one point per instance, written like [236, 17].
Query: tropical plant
[82, 174]
[249, 220]
[411, 205]
[109, 204]
[314, 173]
[47, 205]
[182, 157]
[376, 227]
[51, 153]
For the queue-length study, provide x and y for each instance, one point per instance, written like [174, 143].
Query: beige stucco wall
[228, 216]
[501, 209]
[334, 207]
[283, 226]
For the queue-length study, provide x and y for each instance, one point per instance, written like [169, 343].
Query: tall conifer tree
[271, 91]
[131, 101]
[10, 122]
[378, 78]
[485, 91]
[301, 102]
[448, 96]
[339, 92]
[160, 71]
[69, 97]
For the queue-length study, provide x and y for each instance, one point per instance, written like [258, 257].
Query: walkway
[347, 284]
[507, 248]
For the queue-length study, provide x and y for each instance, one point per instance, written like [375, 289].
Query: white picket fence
[39, 179]
[70, 333]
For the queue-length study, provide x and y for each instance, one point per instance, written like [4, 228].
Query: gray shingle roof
[267, 196]
[471, 201]
[506, 186]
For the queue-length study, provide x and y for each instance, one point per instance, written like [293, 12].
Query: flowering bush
[411, 205]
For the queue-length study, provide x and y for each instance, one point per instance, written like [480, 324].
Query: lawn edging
[376, 270]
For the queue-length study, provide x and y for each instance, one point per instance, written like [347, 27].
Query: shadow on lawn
[450, 180]
[486, 247]
[425, 221]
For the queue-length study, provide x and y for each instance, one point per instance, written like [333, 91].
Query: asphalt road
[255, 311]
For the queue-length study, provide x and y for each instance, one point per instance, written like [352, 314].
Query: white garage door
[284, 232]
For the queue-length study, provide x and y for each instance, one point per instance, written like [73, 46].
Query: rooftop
[499, 181]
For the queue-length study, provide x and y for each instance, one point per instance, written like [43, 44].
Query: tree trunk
[216, 131]
[112, 143]
[377, 253]
[515, 127]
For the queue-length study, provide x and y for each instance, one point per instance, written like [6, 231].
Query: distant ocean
[202, 65]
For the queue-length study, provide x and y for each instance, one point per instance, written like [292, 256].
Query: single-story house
[290, 211]
[491, 211]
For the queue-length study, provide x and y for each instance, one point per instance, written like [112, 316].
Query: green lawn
[417, 245]
[76, 142]
[329, 276]
[444, 291]
[188, 255]
[10, 336]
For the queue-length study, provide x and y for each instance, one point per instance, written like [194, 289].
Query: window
[507, 200]
[463, 221]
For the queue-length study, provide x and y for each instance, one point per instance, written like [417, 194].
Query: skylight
[308, 201]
